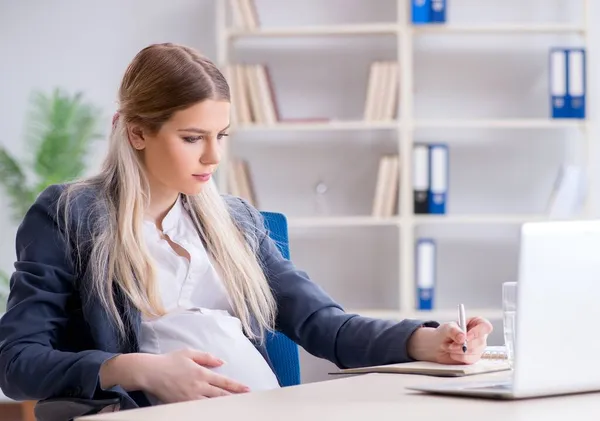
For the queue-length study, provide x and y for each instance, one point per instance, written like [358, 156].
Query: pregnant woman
[143, 282]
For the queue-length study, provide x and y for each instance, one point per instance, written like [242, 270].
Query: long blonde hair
[162, 79]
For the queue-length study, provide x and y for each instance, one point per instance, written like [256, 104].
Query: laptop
[557, 346]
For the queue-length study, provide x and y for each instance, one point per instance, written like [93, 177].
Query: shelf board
[441, 315]
[370, 221]
[513, 123]
[508, 28]
[317, 30]
[341, 221]
[318, 126]
[392, 28]
[425, 123]
[479, 219]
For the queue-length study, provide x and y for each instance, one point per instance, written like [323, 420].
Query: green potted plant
[60, 130]
[3, 291]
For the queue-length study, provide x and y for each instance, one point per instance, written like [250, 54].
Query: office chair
[282, 351]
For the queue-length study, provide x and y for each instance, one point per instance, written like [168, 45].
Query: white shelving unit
[418, 123]
[365, 29]
[404, 131]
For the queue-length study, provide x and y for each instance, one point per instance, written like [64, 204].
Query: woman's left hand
[444, 344]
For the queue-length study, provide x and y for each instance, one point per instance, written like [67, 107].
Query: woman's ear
[136, 136]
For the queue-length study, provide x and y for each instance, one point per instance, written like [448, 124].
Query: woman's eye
[192, 139]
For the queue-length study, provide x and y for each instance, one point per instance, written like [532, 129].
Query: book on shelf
[420, 178]
[438, 11]
[577, 83]
[425, 253]
[567, 82]
[252, 94]
[385, 202]
[253, 99]
[428, 11]
[381, 102]
[430, 178]
[438, 188]
[244, 14]
[240, 181]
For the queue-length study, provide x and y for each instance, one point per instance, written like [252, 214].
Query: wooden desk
[17, 411]
[372, 397]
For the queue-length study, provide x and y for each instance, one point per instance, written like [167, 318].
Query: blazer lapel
[103, 328]
[132, 320]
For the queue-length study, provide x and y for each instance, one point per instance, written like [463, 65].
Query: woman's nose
[212, 154]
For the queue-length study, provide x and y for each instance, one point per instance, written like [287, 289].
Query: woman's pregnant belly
[215, 332]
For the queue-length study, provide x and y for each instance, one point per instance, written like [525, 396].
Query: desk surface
[4, 399]
[367, 397]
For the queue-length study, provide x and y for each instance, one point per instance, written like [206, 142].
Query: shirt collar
[172, 218]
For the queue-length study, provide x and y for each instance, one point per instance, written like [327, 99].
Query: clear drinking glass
[509, 313]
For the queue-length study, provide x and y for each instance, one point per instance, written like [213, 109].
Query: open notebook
[433, 369]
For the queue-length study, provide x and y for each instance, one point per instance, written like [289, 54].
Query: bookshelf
[373, 29]
[404, 130]
[503, 29]
[322, 126]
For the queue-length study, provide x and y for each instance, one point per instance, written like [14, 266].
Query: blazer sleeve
[31, 366]
[312, 319]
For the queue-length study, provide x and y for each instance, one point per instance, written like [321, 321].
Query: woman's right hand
[185, 375]
[173, 377]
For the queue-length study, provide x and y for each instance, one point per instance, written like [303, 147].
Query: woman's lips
[202, 177]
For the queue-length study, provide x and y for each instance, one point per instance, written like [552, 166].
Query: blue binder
[559, 74]
[421, 178]
[439, 174]
[425, 273]
[438, 11]
[576, 85]
[421, 11]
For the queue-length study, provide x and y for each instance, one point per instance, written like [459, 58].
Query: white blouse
[199, 313]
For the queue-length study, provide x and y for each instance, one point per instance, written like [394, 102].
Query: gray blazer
[55, 334]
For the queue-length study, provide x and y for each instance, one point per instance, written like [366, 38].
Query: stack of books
[244, 14]
[385, 203]
[381, 102]
[240, 181]
[252, 94]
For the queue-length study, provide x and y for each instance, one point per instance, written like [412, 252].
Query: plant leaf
[15, 184]
[60, 128]
[4, 279]
[4, 290]
[64, 127]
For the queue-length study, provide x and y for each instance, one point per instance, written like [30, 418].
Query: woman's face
[185, 152]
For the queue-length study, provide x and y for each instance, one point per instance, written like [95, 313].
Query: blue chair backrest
[282, 351]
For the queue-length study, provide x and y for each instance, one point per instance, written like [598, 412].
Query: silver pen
[462, 322]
